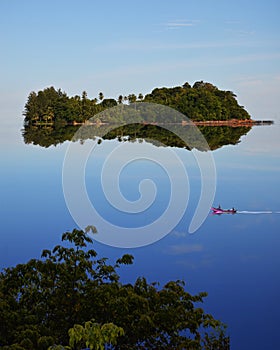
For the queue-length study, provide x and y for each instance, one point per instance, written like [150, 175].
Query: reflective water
[235, 258]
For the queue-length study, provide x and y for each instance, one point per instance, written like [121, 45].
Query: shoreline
[230, 122]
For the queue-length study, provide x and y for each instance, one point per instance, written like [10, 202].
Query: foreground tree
[42, 300]
[92, 335]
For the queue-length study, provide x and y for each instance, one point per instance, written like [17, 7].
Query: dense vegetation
[71, 299]
[202, 101]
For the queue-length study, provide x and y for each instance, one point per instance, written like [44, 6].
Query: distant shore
[230, 122]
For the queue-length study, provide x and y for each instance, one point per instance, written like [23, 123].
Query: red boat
[219, 210]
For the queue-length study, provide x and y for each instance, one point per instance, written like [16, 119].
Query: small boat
[219, 210]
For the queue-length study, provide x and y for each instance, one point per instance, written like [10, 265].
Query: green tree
[109, 102]
[203, 101]
[101, 96]
[132, 98]
[94, 336]
[120, 99]
[31, 112]
[86, 107]
[44, 298]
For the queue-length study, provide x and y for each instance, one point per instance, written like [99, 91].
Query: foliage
[203, 101]
[93, 335]
[44, 299]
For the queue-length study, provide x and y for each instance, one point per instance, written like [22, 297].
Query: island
[52, 117]
[201, 103]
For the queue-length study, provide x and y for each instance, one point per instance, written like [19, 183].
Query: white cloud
[180, 23]
[241, 32]
[175, 24]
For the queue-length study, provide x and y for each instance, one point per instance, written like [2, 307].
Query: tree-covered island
[202, 102]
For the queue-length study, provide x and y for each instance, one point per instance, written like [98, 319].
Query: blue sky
[122, 47]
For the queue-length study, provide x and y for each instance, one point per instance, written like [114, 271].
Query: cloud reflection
[179, 249]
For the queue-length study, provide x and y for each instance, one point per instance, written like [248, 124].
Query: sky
[122, 47]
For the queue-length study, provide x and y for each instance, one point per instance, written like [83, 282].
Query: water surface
[235, 258]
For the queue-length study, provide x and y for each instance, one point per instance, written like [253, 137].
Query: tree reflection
[216, 136]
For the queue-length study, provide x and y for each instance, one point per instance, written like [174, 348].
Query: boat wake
[257, 212]
[219, 211]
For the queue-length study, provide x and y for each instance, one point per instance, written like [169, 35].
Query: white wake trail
[256, 212]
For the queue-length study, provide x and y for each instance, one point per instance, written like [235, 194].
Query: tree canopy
[70, 299]
[202, 101]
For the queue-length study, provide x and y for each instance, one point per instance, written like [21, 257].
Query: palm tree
[120, 99]
[131, 98]
[84, 95]
[101, 96]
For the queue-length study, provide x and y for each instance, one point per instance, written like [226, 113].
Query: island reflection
[174, 136]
